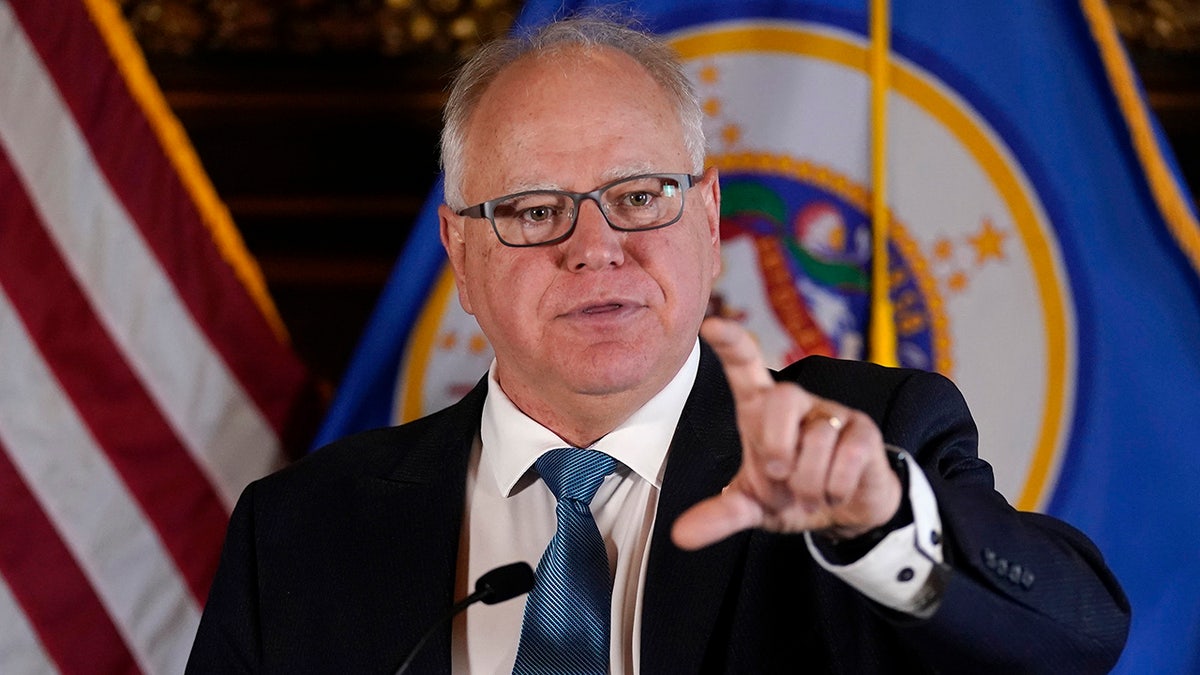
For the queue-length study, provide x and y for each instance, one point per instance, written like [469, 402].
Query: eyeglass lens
[639, 203]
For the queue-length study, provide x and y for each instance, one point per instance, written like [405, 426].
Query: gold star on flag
[478, 343]
[989, 243]
[943, 248]
[731, 134]
[708, 74]
[957, 282]
[449, 340]
[712, 107]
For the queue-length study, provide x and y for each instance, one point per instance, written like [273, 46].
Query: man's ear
[451, 228]
[711, 191]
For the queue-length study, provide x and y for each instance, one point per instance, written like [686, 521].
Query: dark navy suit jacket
[340, 562]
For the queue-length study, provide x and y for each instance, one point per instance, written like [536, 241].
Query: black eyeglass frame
[488, 209]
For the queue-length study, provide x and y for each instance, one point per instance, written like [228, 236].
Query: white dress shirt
[509, 516]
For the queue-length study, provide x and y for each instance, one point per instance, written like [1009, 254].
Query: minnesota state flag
[1040, 251]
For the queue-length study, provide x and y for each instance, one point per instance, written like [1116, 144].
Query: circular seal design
[978, 283]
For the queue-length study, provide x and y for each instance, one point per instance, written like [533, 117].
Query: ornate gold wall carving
[389, 27]
[1159, 25]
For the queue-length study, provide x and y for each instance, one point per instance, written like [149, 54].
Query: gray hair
[592, 31]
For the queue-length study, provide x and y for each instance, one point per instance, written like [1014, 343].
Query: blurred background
[317, 121]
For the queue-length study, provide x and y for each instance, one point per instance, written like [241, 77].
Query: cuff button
[905, 574]
[1014, 573]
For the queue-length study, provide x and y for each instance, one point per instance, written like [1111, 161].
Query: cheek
[695, 267]
[683, 271]
[504, 289]
[480, 279]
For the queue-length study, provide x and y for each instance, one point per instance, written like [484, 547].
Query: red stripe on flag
[159, 472]
[65, 612]
[147, 184]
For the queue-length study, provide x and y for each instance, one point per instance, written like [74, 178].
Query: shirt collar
[512, 441]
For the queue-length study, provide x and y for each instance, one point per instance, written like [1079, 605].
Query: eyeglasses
[543, 217]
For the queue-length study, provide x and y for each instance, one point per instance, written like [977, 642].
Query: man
[749, 524]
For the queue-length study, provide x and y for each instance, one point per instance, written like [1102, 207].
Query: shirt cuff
[900, 571]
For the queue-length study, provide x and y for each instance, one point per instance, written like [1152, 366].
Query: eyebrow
[605, 178]
[626, 172]
[528, 187]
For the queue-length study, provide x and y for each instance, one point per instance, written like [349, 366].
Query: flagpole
[881, 338]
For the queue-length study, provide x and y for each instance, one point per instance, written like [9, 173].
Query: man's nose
[594, 244]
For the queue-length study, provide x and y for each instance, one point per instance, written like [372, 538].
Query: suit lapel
[421, 502]
[684, 590]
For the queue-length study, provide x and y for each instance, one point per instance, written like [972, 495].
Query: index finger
[740, 356]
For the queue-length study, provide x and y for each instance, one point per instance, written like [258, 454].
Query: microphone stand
[495, 586]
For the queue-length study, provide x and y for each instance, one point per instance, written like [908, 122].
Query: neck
[582, 417]
[580, 420]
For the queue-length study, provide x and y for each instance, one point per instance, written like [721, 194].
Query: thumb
[716, 518]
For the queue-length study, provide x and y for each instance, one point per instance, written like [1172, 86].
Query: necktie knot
[574, 473]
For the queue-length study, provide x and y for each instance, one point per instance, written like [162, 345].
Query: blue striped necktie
[566, 625]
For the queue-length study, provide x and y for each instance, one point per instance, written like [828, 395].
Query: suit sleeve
[1023, 592]
[228, 638]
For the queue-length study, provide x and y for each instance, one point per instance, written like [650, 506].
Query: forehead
[571, 119]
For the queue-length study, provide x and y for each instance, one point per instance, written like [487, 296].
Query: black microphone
[498, 585]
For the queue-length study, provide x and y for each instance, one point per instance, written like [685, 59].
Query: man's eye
[537, 214]
[640, 199]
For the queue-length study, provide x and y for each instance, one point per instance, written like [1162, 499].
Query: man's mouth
[602, 309]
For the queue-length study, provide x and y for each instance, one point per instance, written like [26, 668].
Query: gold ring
[834, 421]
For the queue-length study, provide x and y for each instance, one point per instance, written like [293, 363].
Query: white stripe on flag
[134, 299]
[20, 650]
[113, 542]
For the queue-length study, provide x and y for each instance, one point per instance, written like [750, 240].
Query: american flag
[144, 375]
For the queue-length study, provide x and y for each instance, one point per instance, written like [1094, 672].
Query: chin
[614, 369]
